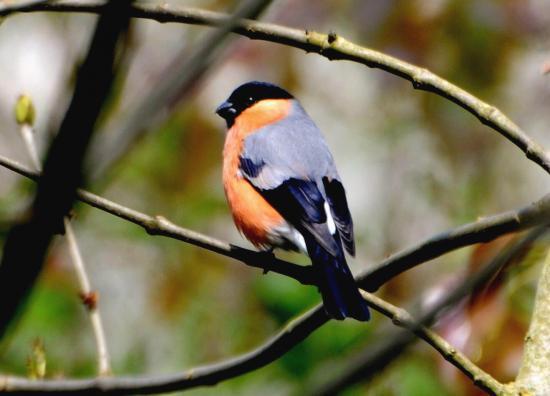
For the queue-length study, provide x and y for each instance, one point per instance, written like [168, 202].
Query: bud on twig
[36, 362]
[24, 111]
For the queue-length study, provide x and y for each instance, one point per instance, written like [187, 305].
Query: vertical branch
[533, 374]
[89, 298]
[28, 241]
[27, 133]
[25, 112]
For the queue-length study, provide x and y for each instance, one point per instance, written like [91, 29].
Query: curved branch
[158, 225]
[292, 334]
[332, 47]
[402, 318]
[181, 73]
[7, 7]
[300, 328]
[362, 370]
[483, 230]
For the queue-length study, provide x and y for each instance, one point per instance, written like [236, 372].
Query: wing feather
[290, 164]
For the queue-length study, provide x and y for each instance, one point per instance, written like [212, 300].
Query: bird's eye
[250, 99]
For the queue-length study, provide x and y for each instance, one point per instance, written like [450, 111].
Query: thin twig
[27, 242]
[483, 230]
[88, 296]
[27, 134]
[333, 47]
[158, 225]
[89, 299]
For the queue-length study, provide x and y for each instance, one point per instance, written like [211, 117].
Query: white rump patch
[298, 240]
[287, 237]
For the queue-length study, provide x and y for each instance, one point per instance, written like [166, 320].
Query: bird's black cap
[246, 95]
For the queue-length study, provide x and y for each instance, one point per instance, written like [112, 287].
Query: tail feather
[341, 298]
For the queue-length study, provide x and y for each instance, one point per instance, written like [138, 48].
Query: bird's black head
[247, 95]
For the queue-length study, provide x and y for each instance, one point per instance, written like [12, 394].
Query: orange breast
[252, 214]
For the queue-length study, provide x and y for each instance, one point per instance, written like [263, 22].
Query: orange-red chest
[252, 214]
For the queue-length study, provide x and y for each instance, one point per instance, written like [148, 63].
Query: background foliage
[413, 164]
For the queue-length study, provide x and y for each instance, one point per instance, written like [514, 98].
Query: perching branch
[535, 213]
[332, 47]
[158, 225]
[27, 242]
[482, 230]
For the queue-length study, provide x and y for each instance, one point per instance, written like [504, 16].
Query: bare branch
[9, 6]
[483, 230]
[293, 333]
[480, 231]
[89, 299]
[27, 133]
[535, 213]
[402, 318]
[27, 243]
[533, 375]
[333, 47]
[364, 368]
[158, 225]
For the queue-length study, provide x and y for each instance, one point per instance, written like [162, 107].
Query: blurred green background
[413, 164]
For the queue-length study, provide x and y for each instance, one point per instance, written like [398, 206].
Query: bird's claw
[269, 256]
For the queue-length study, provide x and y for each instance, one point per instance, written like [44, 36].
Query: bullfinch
[284, 191]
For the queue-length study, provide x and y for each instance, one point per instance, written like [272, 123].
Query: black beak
[226, 110]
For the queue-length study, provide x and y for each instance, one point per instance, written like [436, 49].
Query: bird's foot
[267, 259]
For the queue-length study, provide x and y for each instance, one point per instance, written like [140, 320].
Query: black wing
[336, 197]
[299, 201]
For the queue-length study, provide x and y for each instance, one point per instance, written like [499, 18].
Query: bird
[284, 191]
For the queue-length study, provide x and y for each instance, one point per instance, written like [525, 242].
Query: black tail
[341, 297]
